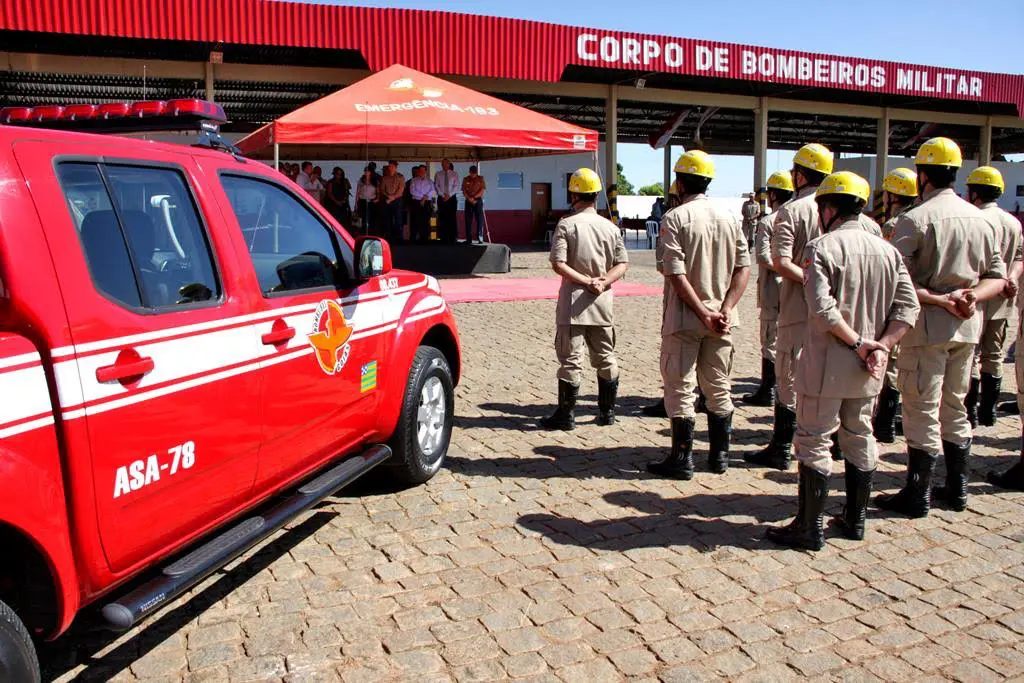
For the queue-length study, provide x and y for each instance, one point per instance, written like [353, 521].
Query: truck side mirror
[373, 257]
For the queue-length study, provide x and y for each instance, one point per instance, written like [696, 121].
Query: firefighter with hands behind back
[984, 186]
[706, 266]
[860, 302]
[588, 253]
[899, 192]
[952, 253]
[780, 190]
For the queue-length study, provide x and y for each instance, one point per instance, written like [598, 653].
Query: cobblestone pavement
[554, 557]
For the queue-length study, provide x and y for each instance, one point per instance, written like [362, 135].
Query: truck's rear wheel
[424, 429]
[18, 662]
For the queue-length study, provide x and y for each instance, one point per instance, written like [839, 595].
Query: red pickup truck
[192, 353]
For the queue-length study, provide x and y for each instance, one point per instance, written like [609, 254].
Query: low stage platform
[452, 259]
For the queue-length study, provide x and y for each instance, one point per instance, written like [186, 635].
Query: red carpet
[467, 290]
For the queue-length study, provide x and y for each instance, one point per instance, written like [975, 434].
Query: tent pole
[277, 156]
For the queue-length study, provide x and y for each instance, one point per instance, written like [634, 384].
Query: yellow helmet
[845, 182]
[987, 175]
[780, 180]
[901, 181]
[815, 157]
[585, 181]
[696, 162]
[939, 152]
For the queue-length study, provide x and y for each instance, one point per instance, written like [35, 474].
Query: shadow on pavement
[83, 643]
[701, 521]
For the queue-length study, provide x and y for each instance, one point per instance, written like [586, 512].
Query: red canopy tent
[401, 113]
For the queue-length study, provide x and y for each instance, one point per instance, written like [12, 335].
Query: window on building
[290, 247]
[510, 181]
[141, 234]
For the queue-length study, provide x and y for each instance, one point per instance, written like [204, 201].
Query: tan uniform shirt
[392, 186]
[1010, 248]
[473, 185]
[947, 245]
[768, 281]
[854, 276]
[890, 225]
[869, 225]
[704, 244]
[590, 245]
[794, 227]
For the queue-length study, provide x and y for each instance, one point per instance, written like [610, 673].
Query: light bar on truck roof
[119, 117]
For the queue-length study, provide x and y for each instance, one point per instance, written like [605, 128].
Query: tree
[655, 190]
[622, 185]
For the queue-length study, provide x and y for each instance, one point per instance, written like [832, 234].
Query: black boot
[971, 401]
[884, 422]
[607, 389]
[655, 409]
[954, 493]
[564, 417]
[765, 394]
[990, 387]
[1012, 478]
[858, 490]
[837, 453]
[701, 404]
[679, 463]
[915, 498]
[719, 431]
[805, 530]
[1009, 408]
[778, 453]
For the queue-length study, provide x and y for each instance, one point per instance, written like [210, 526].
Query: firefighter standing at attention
[795, 225]
[589, 255]
[899, 192]
[984, 187]
[706, 265]
[952, 253]
[860, 302]
[780, 190]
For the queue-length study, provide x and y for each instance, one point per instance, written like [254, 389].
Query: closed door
[163, 363]
[540, 206]
[322, 340]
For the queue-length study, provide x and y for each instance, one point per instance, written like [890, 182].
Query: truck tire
[18, 661]
[420, 441]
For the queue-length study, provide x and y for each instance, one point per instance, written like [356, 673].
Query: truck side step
[178, 577]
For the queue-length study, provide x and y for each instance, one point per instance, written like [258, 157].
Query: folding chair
[652, 233]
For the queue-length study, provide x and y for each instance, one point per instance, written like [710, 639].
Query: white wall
[1013, 175]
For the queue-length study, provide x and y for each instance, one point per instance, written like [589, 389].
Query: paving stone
[928, 657]
[593, 671]
[969, 671]
[816, 663]
[486, 670]
[525, 665]
[676, 650]
[564, 654]
[521, 640]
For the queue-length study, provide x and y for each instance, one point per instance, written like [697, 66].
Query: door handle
[280, 335]
[124, 370]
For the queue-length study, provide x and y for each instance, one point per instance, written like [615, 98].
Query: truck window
[290, 247]
[141, 234]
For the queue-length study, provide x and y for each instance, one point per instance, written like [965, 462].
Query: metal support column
[611, 134]
[985, 143]
[881, 157]
[668, 171]
[209, 81]
[760, 143]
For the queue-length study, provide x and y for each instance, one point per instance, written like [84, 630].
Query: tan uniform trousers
[991, 350]
[818, 418]
[790, 345]
[890, 369]
[769, 338]
[933, 380]
[691, 358]
[1018, 362]
[599, 340]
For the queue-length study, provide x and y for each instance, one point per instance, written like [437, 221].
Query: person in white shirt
[305, 177]
[366, 200]
[446, 184]
[421, 193]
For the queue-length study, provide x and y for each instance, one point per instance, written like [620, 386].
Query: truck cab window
[141, 234]
[291, 249]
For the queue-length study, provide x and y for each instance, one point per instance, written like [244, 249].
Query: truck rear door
[162, 366]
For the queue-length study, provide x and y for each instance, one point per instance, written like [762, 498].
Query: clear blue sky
[984, 36]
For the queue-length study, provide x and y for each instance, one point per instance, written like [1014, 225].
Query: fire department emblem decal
[329, 336]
